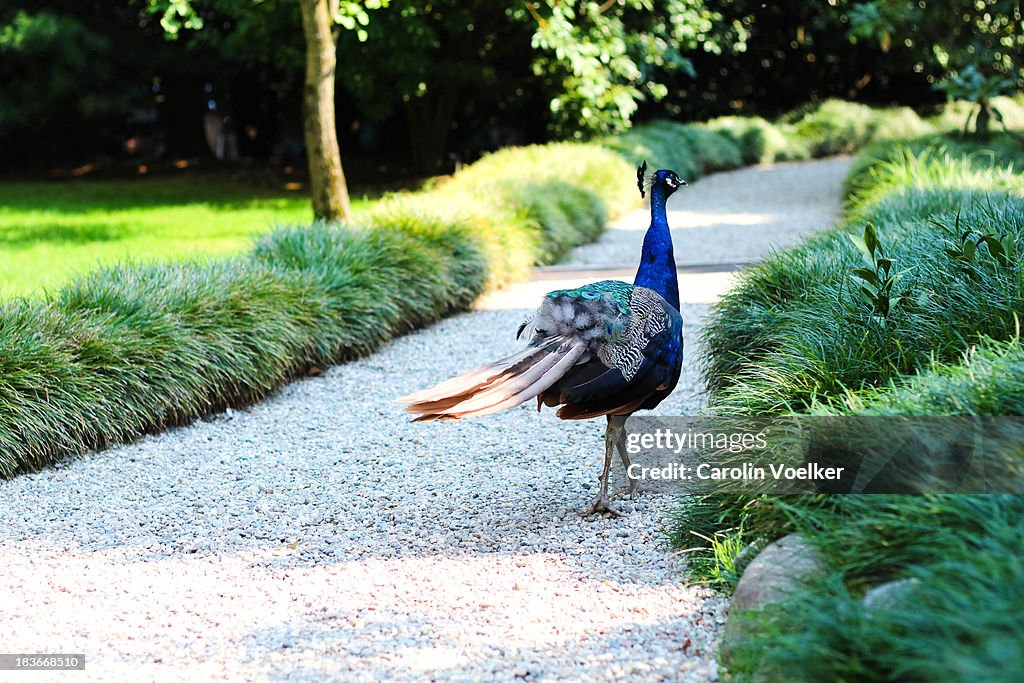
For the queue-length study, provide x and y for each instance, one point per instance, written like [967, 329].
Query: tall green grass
[955, 616]
[136, 347]
[794, 331]
[795, 335]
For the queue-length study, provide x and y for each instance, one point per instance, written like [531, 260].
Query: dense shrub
[795, 335]
[898, 123]
[954, 115]
[712, 150]
[836, 127]
[989, 380]
[659, 146]
[760, 142]
[135, 348]
[795, 330]
[955, 617]
[883, 166]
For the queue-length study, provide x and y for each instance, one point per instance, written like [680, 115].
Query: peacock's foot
[630, 491]
[601, 505]
[635, 488]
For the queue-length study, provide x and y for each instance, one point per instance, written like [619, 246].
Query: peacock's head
[667, 180]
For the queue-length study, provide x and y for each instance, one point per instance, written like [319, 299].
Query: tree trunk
[983, 118]
[429, 118]
[326, 179]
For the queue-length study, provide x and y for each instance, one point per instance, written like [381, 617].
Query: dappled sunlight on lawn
[51, 232]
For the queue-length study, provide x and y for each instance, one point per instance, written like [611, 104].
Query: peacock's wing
[637, 363]
[605, 348]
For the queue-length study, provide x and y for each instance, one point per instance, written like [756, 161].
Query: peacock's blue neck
[657, 262]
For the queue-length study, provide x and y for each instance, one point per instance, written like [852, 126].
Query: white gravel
[320, 536]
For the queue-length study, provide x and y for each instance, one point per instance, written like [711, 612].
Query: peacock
[604, 349]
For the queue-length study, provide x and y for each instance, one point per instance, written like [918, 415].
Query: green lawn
[51, 231]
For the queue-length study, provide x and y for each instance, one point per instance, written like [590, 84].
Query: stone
[891, 595]
[777, 572]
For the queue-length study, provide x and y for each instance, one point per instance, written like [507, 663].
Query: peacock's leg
[602, 503]
[620, 445]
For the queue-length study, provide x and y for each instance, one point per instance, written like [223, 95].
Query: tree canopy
[968, 50]
[424, 80]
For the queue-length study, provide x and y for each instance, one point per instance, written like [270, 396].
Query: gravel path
[730, 217]
[320, 536]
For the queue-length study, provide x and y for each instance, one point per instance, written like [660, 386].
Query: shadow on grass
[15, 234]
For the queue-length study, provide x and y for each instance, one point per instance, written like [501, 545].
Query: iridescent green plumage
[616, 291]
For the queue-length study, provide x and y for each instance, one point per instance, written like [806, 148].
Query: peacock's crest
[641, 178]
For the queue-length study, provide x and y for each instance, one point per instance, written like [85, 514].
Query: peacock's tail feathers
[573, 411]
[601, 347]
[500, 385]
[471, 380]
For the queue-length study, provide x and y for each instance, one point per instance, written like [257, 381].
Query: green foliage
[503, 243]
[966, 249]
[715, 530]
[587, 166]
[795, 53]
[952, 348]
[955, 618]
[712, 151]
[565, 191]
[658, 146]
[131, 349]
[74, 226]
[836, 127]
[885, 167]
[877, 282]
[898, 123]
[65, 67]
[830, 128]
[135, 347]
[801, 333]
[603, 58]
[988, 380]
[760, 142]
[594, 61]
[46, 61]
[414, 258]
[423, 60]
[691, 150]
[792, 333]
[955, 115]
[972, 49]
[839, 127]
[175, 15]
